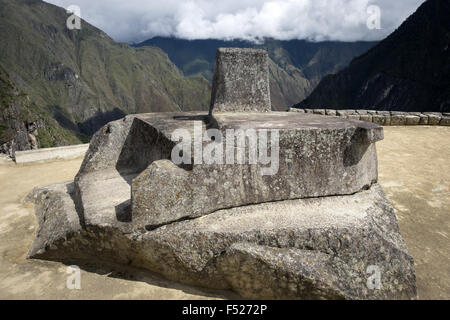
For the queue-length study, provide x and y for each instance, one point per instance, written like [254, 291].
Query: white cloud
[343, 20]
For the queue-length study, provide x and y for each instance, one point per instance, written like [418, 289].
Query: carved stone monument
[267, 204]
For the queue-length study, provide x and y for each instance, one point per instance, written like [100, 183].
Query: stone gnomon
[315, 228]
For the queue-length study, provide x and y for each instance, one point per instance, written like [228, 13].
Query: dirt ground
[414, 168]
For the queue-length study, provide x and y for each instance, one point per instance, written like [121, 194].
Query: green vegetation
[16, 110]
[80, 79]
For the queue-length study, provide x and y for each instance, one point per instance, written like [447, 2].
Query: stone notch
[241, 81]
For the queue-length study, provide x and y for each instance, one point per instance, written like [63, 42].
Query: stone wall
[385, 118]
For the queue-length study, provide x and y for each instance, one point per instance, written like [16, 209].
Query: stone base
[317, 248]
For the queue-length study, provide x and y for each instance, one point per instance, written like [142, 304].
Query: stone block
[434, 118]
[319, 111]
[423, 119]
[378, 119]
[412, 120]
[365, 117]
[342, 113]
[354, 116]
[398, 119]
[241, 81]
[445, 121]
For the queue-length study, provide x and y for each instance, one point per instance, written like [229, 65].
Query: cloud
[341, 20]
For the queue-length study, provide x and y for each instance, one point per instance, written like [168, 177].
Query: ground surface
[414, 170]
[414, 166]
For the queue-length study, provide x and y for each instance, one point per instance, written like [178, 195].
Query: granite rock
[423, 119]
[318, 248]
[241, 81]
[434, 118]
[398, 118]
[445, 121]
[412, 120]
[306, 167]
[379, 119]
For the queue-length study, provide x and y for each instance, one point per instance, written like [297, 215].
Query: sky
[316, 20]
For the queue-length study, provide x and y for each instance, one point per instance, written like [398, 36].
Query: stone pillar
[241, 81]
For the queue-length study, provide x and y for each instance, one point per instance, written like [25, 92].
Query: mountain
[82, 79]
[296, 66]
[408, 71]
[21, 121]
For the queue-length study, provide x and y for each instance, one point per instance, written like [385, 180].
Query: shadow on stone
[123, 211]
[90, 126]
[143, 145]
[357, 148]
[131, 273]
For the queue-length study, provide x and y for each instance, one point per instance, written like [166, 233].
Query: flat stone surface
[103, 199]
[56, 214]
[288, 121]
[241, 81]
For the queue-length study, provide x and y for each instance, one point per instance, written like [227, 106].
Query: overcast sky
[344, 20]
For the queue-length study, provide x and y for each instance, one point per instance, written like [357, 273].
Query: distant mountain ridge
[82, 78]
[296, 66]
[408, 71]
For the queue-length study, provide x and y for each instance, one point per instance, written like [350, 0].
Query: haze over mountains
[408, 71]
[296, 66]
